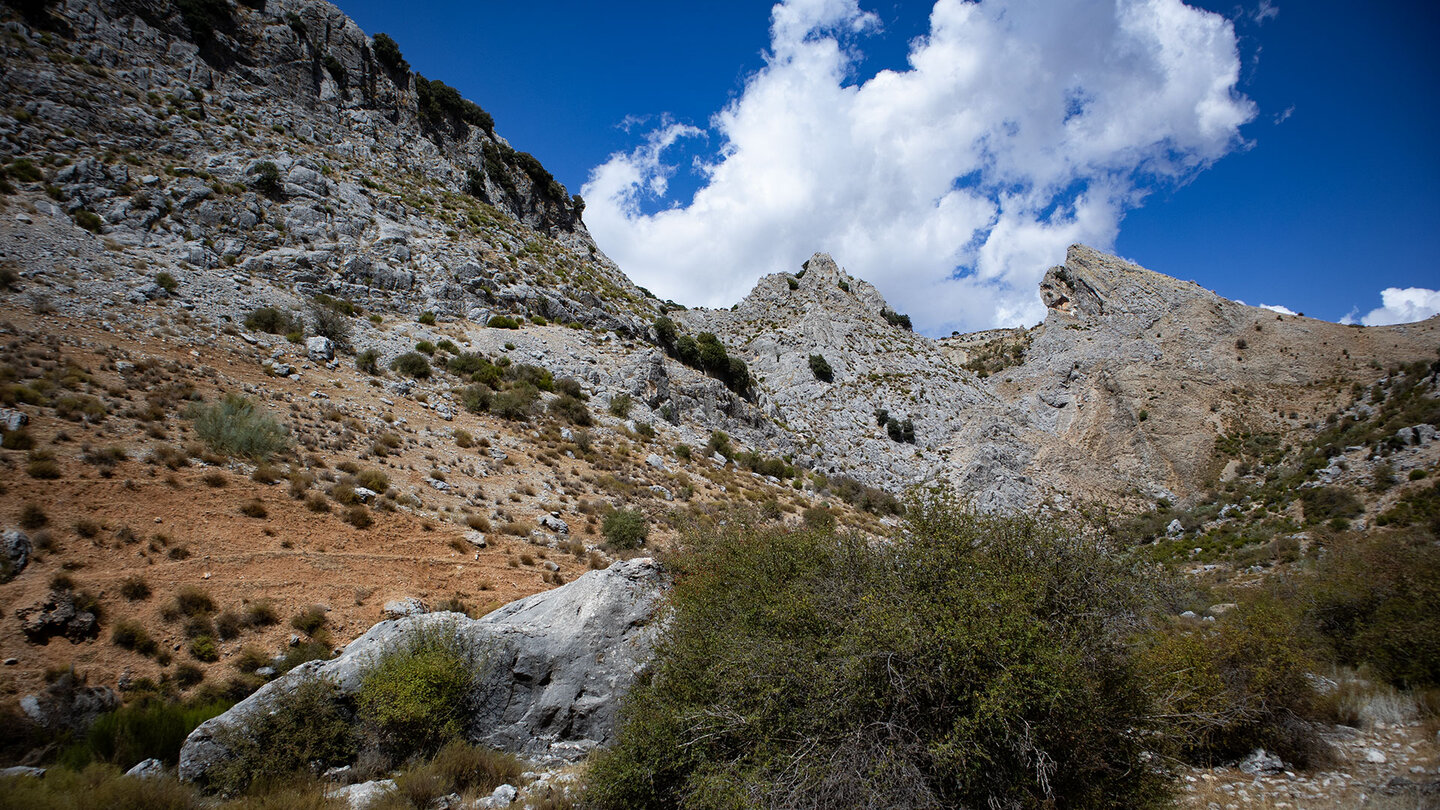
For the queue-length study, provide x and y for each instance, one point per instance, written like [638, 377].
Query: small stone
[1374, 756]
[553, 522]
[148, 769]
[655, 461]
[400, 608]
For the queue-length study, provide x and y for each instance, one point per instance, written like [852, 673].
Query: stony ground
[163, 509]
[1387, 766]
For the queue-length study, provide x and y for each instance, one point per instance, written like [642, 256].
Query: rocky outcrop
[58, 614]
[340, 194]
[555, 666]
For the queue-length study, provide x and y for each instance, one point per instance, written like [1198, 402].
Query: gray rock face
[556, 665]
[554, 524]
[14, 553]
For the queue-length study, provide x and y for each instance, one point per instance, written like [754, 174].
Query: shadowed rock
[556, 665]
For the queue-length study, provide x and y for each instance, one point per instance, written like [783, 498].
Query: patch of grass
[234, 426]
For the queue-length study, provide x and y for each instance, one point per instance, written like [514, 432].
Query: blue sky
[718, 143]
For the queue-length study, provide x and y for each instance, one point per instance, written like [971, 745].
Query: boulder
[11, 419]
[14, 553]
[147, 769]
[557, 665]
[553, 522]
[358, 797]
[400, 608]
[319, 349]
[57, 615]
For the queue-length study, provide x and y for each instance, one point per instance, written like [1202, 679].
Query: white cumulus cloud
[1283, 310]
[1402, 306]
[1017, 129]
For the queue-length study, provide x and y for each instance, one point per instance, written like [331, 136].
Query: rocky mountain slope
[203, 199]
[1118, 396]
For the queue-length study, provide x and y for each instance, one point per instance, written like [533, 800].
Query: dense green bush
[570, 409]
[143, 729]
[896, 319]
[1236, 684]
[502, 322]
[368, 361]
[1375, 601]
[516, 403]
[415, 696]
[1327, 503]
[820, 367]
[441, 105]
[235, 426]
[272, 320]
[265, 177]
[620, 405]
[389, 53]
[625, 529]
[411, 364]
[981, 662]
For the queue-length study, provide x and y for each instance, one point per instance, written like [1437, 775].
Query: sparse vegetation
[235, 426]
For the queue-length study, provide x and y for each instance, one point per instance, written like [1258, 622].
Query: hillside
[294, 338]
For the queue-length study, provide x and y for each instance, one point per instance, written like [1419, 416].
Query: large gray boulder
[14, 553]
[555, 666]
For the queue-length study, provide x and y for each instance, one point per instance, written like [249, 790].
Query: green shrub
[1375, 601]
[415, 697]
[411, 364]
[625, 529]
[145, 728]
[820, 367]
[896, 319]
[302, 725]
[310, 621]
[330, 323]
[271, 320]
[1326, 503]
[458, 767]
[981, 662]
[193, 601]
[135, 588]
[570, 409]
[683, 451]
[425, 347]
[517, 403]
[502, 322]
[389, 53]
[368, 361]
[266, 177]
[1235, 685]
[235, 427]
[131, 635]
[336, 70]
[203, 649]
[620, 406]
[88, 220]
[167, 282]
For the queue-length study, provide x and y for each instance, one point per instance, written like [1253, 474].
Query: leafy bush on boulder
[415, 698]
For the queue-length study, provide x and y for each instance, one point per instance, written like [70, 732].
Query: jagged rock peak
[1092, 284]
